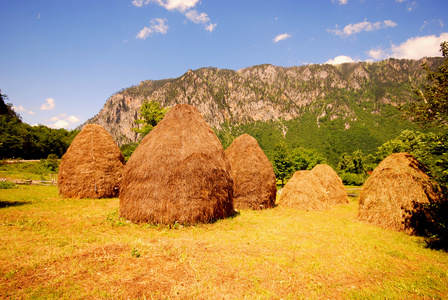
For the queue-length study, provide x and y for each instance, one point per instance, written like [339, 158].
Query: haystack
[252, 174]
[391, 189]
[178, 173]
[92, 167]
[332, 184]
[304, 191]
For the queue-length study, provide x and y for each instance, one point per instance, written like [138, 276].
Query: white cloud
[62, 121]
[197, 17]
[281, 37]
[60, 124]
[180, 5]
[183, 6]
[341, 59]
[399, 1]
[210, 27]
[413, 48]
[418, 47]
[377, 53]
[341, 2]
[73, 119]
[411, 5]
[200, 18]
[157, 26]
[48, 105]
[19, 108]
[362, 26]
[426, 23]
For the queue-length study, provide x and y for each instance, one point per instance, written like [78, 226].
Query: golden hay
[332, 184]
[178, 173]
[391, 189]
[304, 191]
[92, 166]
[252, 174]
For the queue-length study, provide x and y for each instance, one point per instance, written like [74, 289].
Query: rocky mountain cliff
[265, 93]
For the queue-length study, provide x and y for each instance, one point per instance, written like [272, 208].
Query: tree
[283, 164]
[306, 159]
[353, 163]
[431, 219]
[151, 113]
[431, 108]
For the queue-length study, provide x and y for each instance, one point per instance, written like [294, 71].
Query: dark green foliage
[282, 163]
[4, 185]
[431, 109]
[128, 149]
[352, 178]
[151, 113]
[430, 220]
[51, 163]
[306, 159]
[32, 142]
[352, 168]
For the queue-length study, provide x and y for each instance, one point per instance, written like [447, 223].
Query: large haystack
[332, 184]
[92, 167]
[178, 173]
[394, 185]
[304, 191]
[252, 174]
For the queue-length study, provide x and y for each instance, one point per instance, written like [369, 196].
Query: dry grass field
[53, 248]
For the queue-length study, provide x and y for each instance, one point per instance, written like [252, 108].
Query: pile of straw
[304, 191]
[178, 173]
[252, 174]
[391, 189]
[92, 167]
[332, 184]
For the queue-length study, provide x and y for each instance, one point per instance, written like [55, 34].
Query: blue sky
[60, 60]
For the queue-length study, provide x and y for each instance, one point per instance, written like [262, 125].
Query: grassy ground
[30, 170]
[53, 248]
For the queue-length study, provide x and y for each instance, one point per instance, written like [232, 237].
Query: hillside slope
[308, 105]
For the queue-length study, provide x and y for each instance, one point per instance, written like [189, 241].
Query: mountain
[331, 108]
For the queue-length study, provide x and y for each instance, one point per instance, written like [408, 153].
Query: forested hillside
[331, 109]
[20, 140]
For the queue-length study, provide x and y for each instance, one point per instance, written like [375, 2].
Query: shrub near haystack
[252, 173]
[395, 185]
[178, 173]
[92, 166]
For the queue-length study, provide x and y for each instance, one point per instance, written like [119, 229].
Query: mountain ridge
[351, 92]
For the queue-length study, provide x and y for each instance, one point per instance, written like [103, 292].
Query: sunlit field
[80, 249]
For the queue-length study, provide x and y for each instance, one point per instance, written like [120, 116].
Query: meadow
[55, 248]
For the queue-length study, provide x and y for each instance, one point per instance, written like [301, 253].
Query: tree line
[20, 140]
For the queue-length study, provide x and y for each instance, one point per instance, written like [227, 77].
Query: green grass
[31, 170]
[53, 248]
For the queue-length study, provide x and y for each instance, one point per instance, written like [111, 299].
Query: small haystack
[304, 191]
[178, 173]
[252, 174]
[92, 167]
[332, 184]
[391, 189]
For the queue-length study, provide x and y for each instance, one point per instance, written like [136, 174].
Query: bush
[430, 220]
[4, 185]
[353, 179]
